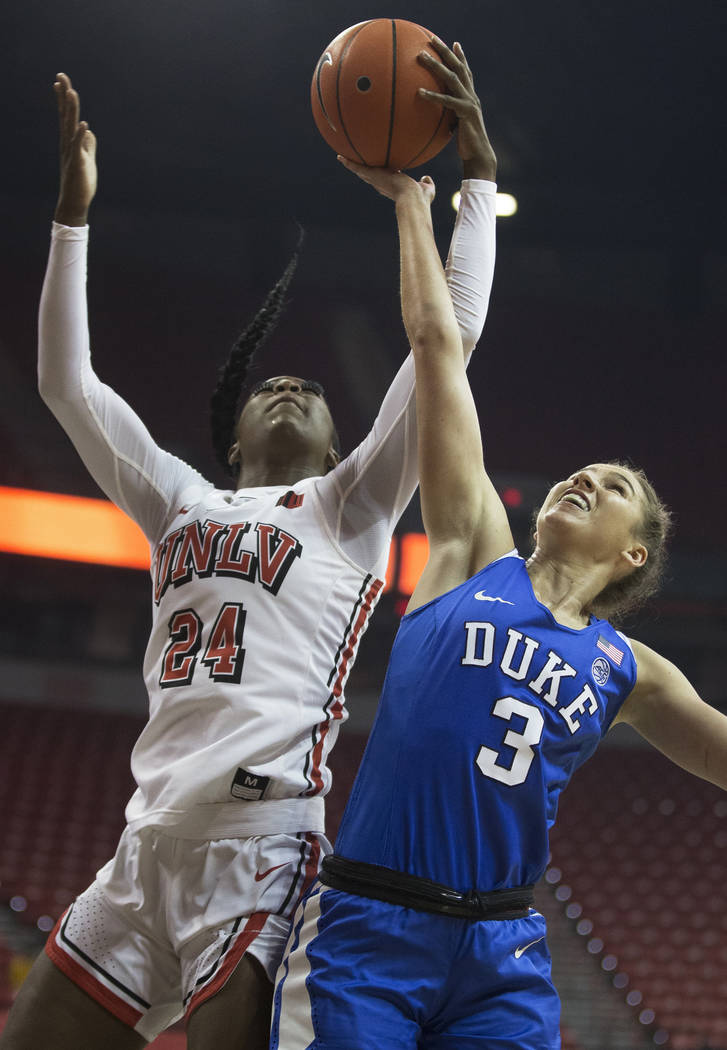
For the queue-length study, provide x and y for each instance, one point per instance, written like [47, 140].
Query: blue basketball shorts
[362, 974]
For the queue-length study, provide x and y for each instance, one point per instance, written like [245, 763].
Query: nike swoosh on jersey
[260, 875]
[519, 951]
[482, 597]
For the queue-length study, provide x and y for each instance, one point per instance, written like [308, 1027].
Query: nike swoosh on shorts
[260, 875]
[519, 951]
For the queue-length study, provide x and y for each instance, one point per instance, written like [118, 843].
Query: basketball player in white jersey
[261, 593]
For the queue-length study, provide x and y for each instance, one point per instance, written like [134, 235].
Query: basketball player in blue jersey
[504, 677]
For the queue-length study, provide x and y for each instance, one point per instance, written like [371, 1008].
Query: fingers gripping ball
[365, 101]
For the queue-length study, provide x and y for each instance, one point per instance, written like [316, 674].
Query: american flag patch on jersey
[610, 650]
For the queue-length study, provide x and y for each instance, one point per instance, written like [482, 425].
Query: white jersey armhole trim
[514, 553]
[333, 540]
[623, 637]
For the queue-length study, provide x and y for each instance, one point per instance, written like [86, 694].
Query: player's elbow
[433, 335]
[714, 761]
[55, 390]
[45, 386]
[48, 387]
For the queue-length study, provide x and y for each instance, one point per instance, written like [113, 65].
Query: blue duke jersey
[488, 707]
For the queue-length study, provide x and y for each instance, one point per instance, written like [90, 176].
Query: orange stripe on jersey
[252, 928]
[335, 710]
[361, 619]
[311, 868]
[88, 983]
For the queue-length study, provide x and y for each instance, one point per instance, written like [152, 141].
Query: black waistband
[409, 891]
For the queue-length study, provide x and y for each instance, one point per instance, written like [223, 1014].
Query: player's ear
[233, 456]
[636, 555]
[332, 458]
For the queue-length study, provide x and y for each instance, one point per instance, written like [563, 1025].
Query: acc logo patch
[600, 670]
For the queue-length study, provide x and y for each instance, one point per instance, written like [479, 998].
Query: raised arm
[114, 444]
[463, 516]
[370, 489]
[667, 711]
[470, 262]
[451, 475]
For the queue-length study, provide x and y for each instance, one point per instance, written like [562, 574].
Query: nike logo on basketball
[326, 60]
[260, 875]
[482, 597]
[519, 951]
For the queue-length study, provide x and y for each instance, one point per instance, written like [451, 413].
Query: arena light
[71, 528]
[414, 551]
[505, 204]
[512, 496]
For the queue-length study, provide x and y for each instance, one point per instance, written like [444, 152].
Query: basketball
[365, 101]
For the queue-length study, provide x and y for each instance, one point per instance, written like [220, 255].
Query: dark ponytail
[232, 376]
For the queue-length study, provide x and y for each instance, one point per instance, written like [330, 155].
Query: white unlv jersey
[261, 595]
[258, 613]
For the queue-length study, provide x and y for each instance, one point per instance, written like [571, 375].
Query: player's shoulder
[644, 654]
[652, 669]
[660, 687]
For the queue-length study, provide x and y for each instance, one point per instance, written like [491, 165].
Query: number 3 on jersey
[224, 655]
[523, 742]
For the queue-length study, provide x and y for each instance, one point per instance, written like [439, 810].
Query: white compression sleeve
[112, 441]
[470, 264]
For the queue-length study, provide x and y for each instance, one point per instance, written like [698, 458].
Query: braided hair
[232, 375]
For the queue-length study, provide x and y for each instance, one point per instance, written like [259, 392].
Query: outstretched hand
[454, 73]
[392, 184]
[77, 157]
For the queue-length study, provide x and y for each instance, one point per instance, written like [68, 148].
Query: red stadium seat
[654, 885]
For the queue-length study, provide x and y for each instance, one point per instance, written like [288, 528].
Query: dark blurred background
[605, 332]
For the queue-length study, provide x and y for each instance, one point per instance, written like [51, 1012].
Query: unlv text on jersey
[211, 548]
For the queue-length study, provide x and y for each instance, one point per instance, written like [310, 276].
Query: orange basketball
[364, 96]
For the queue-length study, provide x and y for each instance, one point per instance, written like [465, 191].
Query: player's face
[290, 411]
[598, 509]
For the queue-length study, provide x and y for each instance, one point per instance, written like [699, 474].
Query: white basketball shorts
[167, 920]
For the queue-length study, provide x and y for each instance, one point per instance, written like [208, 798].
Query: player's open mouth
[576, 499]
[286, 399]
